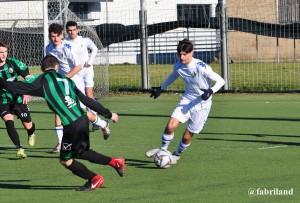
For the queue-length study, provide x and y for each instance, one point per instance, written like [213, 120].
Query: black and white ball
[163, 159]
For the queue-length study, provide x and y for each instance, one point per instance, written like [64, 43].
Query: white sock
[166, 139]
[181, 148]
[99, 122]
[59, 133]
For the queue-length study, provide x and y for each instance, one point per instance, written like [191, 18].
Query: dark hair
[49, 62]
[185, 45]
[71, 23]
[4, 44]
[56, 28]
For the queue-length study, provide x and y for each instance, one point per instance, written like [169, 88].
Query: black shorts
[20, 110]
[76, 138]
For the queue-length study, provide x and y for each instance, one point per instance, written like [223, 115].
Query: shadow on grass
[141, 163]
[254, 141]
[33, 187]
[253, 134]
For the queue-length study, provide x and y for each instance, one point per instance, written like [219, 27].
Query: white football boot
[175, 158]
[152, 152]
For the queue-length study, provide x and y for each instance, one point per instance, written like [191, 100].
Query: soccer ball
[163, 159]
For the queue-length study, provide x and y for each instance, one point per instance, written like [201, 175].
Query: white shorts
[195, 112]
[80, 85]
[88, 76]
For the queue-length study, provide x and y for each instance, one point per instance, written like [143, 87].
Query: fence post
[224, 50]
[143, 44]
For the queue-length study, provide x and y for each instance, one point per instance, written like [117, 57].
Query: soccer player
[82, 45]
[63, 98]
[69, 65]
[14, 104]
[196, 101]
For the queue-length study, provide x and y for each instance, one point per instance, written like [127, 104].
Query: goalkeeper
[195, 104]
[63, 98]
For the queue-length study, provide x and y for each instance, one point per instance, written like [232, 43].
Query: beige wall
[249, 47]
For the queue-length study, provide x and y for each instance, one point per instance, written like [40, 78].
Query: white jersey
[81, 46]
[196, 75]
[66, 57]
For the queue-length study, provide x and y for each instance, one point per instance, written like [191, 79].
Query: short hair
[71, 23]
[185, 45]
[4, 44]
[48, 62]
[56, 28]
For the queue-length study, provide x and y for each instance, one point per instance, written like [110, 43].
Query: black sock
[94, 157]
[12, 133]
[31, 130]
[81, 170]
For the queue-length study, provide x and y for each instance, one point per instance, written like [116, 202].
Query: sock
[94, 157]
[59, 133]
[166, 139]
[80, 170]
[99, 122]
[181, 148]
[12, 133]
[31, 130]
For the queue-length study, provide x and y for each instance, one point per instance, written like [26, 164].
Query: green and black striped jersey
[10, 71]
[60, 93]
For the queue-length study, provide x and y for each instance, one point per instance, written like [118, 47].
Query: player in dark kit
[63, 98]
[15, 104]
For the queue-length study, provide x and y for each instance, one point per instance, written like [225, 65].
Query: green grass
[249, 141]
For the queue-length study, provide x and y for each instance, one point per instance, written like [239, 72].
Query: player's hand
[87, 65]
[114, 117]
[206, 94]
[26, 99]
[155, 92]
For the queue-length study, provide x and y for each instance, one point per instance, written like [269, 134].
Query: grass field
[249, 141]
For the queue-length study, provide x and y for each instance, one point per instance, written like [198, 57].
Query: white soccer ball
[163, 159]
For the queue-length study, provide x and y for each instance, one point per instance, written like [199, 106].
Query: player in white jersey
[82, 45]
[70, 66]
[195, 103]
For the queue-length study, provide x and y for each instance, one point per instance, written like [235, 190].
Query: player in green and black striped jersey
[63, 98]
[14, 104]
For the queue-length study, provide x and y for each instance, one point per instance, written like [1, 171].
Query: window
[288, 11]
[192, 12]
[81, 9]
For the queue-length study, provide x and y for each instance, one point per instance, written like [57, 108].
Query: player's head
[3, 51]
[56, 33]
[185, 50]
[49, 62]
[72, 29]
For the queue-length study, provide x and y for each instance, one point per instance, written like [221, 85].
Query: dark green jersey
[60, 93]
[10, 71]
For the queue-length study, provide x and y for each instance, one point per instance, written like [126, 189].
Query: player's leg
[89, 89]
[179, 115]
[195, 124]
[23, 113]
[59, 134]
[75, 141]
[8, 117]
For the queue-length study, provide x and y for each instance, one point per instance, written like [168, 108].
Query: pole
[45, 22]
[143, 44]
[224, 50]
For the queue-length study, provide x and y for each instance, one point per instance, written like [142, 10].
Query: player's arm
[31, 87]
[74, 71]
[156, 91]
[91, 45]
[92, 104]
[219, 82]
